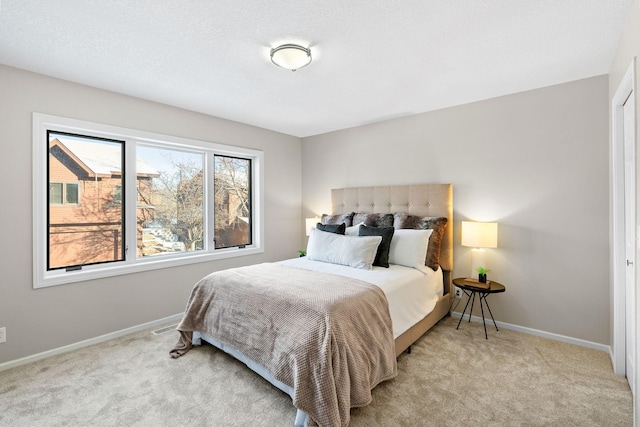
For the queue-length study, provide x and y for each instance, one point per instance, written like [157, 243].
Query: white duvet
[412, 294]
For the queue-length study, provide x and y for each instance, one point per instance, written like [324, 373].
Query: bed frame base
[441, 310]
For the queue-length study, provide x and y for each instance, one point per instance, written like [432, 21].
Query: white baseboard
[75, 346]
[537, 332]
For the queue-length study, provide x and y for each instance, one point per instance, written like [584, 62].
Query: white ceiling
[372, 59]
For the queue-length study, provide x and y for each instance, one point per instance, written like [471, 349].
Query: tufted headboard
[423, 200]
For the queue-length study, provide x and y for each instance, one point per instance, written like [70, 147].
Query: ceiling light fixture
[291, 56]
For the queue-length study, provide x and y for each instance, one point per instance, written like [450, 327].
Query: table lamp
[479, 235]
[310, 223]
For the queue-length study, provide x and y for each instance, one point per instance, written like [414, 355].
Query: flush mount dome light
[291, 56]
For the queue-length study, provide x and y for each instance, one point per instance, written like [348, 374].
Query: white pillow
[358, 252]
[409, 248]
[354, 230]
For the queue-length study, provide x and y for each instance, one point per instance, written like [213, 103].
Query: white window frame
[131, 263]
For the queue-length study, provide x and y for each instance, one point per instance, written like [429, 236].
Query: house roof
[100, 159]
[372, 59]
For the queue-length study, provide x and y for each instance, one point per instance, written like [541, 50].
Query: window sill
[62, 277]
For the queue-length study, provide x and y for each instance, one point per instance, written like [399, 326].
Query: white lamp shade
[480, 234]
[291, 56]
[310, 223]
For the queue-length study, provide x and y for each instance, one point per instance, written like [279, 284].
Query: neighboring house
[85, 202]
[232, 226]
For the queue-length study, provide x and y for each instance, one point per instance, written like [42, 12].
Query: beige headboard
[422, 200]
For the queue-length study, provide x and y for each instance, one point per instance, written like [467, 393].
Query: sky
[163, 160]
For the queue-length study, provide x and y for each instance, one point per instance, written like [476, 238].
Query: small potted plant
[482, 274]
[302, 253]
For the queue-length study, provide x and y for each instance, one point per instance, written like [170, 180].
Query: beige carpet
[452, 378]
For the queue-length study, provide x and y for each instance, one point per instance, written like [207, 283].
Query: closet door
[630, 223]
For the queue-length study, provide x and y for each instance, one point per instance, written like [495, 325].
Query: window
[110, 201]
[232, 197]
[71, 194]
[117, 193]
[55, 193]
[170, 200]
[60, 193]
[81, 232]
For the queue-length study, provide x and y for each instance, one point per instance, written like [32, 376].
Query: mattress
[412, 294]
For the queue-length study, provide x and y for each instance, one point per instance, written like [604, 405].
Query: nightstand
[471, 288]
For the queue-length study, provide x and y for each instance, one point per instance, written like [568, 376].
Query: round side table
[471, 288]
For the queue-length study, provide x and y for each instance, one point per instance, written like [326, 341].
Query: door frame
[618, 258]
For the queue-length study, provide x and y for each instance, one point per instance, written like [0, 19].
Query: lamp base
[477, 260]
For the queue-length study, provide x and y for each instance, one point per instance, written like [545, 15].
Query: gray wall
[44, 319]
[536, 162]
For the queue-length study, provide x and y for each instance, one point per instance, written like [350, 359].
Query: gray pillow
[382, 255]
[332, 228]
[374, 219]
[437, 224]
[338, 219]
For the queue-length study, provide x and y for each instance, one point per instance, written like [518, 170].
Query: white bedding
[412, 294]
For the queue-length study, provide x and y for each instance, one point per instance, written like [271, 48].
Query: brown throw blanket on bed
[328, 337]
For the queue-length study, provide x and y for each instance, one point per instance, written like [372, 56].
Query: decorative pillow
[338, 219]
[437, 224]
[358, 252]
[374, 219]
[354, 230]
[409, 248]
[332, 228]
[382, 255]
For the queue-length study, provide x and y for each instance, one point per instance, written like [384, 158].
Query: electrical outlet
[3, 334]
[458, 293]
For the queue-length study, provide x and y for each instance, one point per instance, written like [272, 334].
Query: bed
[322, 331]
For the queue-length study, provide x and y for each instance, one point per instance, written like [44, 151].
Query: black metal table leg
[472, 297]
[482, 311]
[489, 308]
[465, 309]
